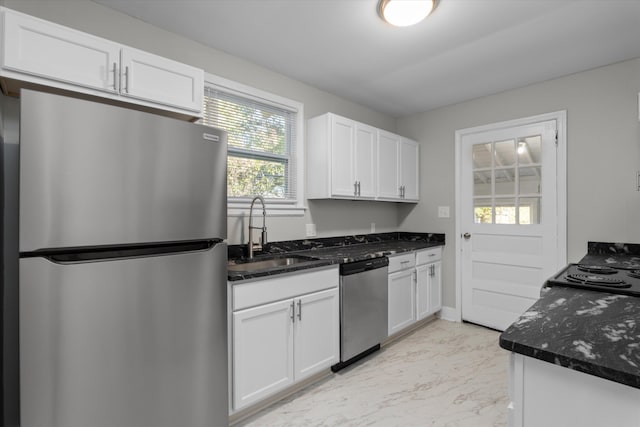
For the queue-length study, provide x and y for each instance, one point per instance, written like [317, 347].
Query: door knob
[466, 236]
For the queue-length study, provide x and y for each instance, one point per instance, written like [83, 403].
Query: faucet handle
[263, 238]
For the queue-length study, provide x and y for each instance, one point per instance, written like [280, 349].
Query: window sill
[242, 209]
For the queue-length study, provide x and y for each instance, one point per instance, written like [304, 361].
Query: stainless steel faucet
[263, 236]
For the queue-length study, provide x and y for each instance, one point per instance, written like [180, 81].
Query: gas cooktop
[598, 278]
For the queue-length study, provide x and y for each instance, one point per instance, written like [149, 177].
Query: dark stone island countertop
[333, 250]
[597, 333]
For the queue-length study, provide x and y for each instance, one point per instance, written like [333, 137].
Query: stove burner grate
[635, 274]
[591, 279]
[597, 269]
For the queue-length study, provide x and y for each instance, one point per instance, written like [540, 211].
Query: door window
[507, 181]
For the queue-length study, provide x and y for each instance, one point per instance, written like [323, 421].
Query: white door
[508, 220]
[317, 333]
[157, 79]
[342, 152]
[402, 303]
[422, 291]
[435, 287]
[388, 160]
[262, 351]
[51, 51]
[409, 169]
[365, 160]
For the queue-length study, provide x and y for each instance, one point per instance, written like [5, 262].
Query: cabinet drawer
[402, 262]
[429, 255]
[262, 291]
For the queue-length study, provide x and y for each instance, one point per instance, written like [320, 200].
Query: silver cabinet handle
[466, 236]
[293, 311]
[115, 77]
[359, 188]
[126, 79]
[355, 188]
[300, 310]
[432, 270]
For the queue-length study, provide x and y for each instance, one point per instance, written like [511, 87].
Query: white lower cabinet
[262, 352]
[278, 343]
[415, 287]
[401, 300]
[428, 282]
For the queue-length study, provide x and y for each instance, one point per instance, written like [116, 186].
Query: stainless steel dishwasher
[363, 309]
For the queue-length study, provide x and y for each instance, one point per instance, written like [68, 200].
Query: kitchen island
[576, 354]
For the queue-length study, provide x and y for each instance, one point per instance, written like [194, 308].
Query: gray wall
[603, 150]
[332, 218]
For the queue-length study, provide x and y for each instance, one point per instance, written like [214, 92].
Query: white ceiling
[464, 50]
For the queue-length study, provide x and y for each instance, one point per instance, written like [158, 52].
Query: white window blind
[261, 145]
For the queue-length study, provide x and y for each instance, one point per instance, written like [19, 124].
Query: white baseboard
[449, 313]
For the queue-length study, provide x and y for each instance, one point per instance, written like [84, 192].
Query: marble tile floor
[444, 374]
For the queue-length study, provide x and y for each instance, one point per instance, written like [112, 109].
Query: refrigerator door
[94, 174]
[126, 342]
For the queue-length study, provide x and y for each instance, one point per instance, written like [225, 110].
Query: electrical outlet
[373, 227]
[443, 211]
[311, 230]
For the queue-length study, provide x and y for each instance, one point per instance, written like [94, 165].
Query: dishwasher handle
[362, 266]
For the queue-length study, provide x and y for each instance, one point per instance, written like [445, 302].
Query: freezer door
[95, 174]
[129, 342]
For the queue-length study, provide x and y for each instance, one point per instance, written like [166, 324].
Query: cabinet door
[402, 303]
[388, 158]
[262, 351]
[317, 333]
[435, 287]
[365, 160]
[161, 80]
[409, 169]
[50, 51]
[342, 154]
[423, 293]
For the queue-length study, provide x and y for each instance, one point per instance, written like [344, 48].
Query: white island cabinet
[546, 395]
[51, 56]
[284, 329]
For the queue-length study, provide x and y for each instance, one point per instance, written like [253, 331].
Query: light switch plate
[311, 230]
[443, 211]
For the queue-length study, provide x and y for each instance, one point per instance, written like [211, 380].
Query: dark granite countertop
[592, 332]
[597, 333]
[616, 255]
[333, 250]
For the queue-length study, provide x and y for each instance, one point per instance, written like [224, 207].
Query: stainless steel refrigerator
[122, 267]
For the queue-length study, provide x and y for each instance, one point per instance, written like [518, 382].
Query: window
[264, 147]
[507, 181]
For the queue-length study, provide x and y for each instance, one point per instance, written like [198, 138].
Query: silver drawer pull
[299, 309]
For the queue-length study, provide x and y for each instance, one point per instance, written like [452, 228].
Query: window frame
[239, 206]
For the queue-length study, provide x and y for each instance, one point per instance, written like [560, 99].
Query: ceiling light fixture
[402, 13]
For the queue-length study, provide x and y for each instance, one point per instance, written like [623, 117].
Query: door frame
[561, 182]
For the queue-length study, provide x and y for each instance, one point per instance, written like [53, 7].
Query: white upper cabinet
[409, 170]
[351, 160]
[157, 79]
[365, 160]
[341, 158]
[39, 52]
[47, 50]
[398, 168]
[388, 166]
[342, 146]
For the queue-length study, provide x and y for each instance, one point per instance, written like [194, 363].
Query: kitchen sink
[263, 264]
